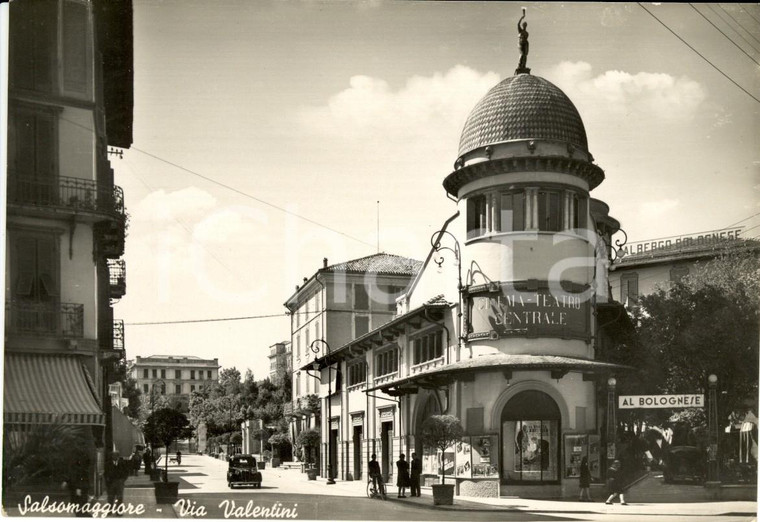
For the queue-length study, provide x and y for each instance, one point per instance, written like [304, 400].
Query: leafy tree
[229, 380]
[165, 426]
[309, 441]
[441, 432]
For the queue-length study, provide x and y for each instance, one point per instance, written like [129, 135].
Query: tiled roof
[379, 264]
[523, 107]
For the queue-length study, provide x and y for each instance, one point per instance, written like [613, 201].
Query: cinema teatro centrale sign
[629, 402]
[529, 309]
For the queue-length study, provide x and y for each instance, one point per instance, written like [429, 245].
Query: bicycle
[376, 491]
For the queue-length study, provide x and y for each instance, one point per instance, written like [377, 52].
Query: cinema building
[503, 325]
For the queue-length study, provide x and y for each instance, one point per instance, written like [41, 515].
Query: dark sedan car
[684, 464]
[242, 471]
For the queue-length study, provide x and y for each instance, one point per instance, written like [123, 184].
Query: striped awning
[48, 389]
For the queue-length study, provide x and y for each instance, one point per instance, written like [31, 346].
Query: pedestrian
[147, 460]
[585, 482]
[78, 484]
[615, 483]
[376, 475]
[179, 457]
[135, 462]
[116, 472]
[414, 488]
[403, 480]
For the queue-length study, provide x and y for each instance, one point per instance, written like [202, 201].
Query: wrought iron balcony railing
[117, 272]
[63, 320]
[66, 193]
[118, 334]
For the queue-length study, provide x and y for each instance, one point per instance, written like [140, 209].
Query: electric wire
[698, 53]
[240, 318]
[750, 14]
[711, 8]
[739, 23]
[724, 34]
[743, 220]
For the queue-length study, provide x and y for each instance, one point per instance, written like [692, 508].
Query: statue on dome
[522, 31]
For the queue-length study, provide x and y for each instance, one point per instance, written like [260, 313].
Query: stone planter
[311, 473]
[275, 462]
[166, 492]
[443, 494]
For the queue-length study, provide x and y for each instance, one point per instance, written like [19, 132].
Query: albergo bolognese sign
[629, 402]
[500, 310]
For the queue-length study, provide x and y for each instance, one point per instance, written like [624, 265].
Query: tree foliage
[441, 432]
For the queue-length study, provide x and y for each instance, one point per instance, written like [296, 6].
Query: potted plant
[440, 432]
[309, 441]
[278, 441]
[164, 426]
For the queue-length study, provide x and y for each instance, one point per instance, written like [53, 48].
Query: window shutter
[45, 147]
[25, 136]
[25, 262]
[45, 35]
[75, 47]
[47, 264]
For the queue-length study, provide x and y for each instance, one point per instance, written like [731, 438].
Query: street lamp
[712, 428]
[611, 418]
[315, 366]
[435, 241]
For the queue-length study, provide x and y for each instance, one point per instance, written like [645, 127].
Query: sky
[266, 133]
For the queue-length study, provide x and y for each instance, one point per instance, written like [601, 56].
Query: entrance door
[387, 448]
[333, 454]
[358, 453]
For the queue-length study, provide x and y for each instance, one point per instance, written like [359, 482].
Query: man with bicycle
[376, 476]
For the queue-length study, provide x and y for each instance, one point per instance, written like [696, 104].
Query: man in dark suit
[414, 489]
[116, 472]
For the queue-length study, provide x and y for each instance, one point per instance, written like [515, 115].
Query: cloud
[647, 95]
[423, 108]
[183, 205]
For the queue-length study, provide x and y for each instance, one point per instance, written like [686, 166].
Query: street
[287, 494]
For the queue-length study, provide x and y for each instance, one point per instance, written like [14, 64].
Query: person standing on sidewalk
[585, 482]
[116, 473]
[615, 483]
[376, 475]
[414, 488]
[403, 475]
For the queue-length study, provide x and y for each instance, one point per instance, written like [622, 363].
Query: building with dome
[505, 324]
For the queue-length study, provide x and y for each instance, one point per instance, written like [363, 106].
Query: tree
[165, 426]
[308, 440]
[441, 432]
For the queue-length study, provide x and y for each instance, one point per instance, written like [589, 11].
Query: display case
[578, 446]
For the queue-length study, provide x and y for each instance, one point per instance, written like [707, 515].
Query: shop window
[428, 347]
[357, 373]
[361, 325]
[476, 216]
[386, 362]
[677, 273]
[629, 288]
[512, 212]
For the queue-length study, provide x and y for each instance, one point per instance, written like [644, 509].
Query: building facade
[502, 325]
[338, 303]
[173, 376]
[280, 360]
[69, 99]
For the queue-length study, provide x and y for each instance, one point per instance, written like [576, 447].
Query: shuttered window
[75, 47]
[36, 267]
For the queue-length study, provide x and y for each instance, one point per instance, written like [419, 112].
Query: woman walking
[404, 480]
[585, 482]
[615, 484]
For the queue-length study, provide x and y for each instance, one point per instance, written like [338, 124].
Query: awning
[48, 389]
[442, 375]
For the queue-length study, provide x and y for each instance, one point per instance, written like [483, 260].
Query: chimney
[305, 279]
[324, 262]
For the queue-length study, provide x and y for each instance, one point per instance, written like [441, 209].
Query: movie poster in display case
[463, 459]
[483, 461]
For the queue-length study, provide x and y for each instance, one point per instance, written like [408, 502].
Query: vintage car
[242, 471]
[684, 464]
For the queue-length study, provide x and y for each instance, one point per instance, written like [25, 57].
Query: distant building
[175, 376]
[657, 263]
[280, 361]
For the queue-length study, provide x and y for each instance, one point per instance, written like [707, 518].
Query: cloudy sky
[266, 132]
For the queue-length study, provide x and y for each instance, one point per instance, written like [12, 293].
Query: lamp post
[611, 419]
[712, 428]
[435, 242]
[316, 350]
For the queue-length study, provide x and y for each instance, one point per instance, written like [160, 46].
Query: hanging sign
[629, 402]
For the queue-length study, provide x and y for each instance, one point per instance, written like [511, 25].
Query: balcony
[60, 320]
[117, 271]
[66, 194]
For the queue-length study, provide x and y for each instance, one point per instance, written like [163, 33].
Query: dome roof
[523, 107]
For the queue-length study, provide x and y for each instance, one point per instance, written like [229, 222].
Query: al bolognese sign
[629, 402]
[500, 310]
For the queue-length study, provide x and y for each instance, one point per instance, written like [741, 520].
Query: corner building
[503, 324]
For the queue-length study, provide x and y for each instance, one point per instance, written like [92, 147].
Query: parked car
[242, 471]
[684, 464]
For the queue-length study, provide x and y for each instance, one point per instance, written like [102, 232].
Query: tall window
[549, 215]
[361, 299]
[361, 325]
[145, 388]
[386, 362]
[512, 212]
[177, 389]
[178, 374]
[476, 216]
[145, 374]
[163, 374]
[192, 374]
[208, 374]
[428, 347]
[154, 373]
[357, 373]
[192, 388]
[629, 288]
